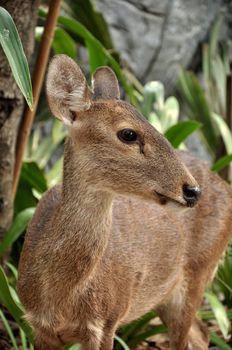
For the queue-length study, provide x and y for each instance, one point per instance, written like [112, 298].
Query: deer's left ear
[105, 84]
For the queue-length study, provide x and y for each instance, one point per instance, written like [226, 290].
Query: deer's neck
[84, 220]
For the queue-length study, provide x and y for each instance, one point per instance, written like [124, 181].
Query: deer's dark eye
[127, 135]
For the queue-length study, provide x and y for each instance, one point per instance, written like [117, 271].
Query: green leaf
[224, 131]
[179, 132]
[54, 175]
[121, 342]
[15, 310]
[197, 107]
[153, 94]
[63, 43]
[18, 227]
[219, 311]
[222, 163]
[215, 339]
[136, 326]
[214, 36]
[84, 11]
[34, 176]
[141, 337]
[170, 113]
[9, 330]
[96, 58]
[209, 315]
[12, 46]
[23, 339]
[73, 347]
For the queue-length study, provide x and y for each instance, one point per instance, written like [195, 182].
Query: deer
[135, 225]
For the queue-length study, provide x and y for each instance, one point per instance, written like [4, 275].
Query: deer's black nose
[191, 194]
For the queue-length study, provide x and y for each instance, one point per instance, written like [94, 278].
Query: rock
[156, 36]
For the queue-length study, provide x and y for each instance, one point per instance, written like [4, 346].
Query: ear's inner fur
[105, 84]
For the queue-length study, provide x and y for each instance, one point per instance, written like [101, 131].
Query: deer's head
[120, 151]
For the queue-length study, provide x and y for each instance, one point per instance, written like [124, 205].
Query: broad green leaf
[84, 11]
[63, 43]
[219, 311]
[17, 228]
[96, 58]
[179, 132]
[215, 339]
[34, 176]
[121, 342]
[222, 163]
[12, 46]
[224, 131]
[24, 196]
[9, 330]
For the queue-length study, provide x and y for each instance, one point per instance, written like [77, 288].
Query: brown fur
[101, 250]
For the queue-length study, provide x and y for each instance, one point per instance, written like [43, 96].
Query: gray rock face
[156, 36]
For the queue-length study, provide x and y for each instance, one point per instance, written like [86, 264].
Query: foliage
[163, 114]
[12, 46]
[42, 166]
[208, 105]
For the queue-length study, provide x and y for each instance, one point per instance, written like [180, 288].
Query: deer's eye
[127, 135]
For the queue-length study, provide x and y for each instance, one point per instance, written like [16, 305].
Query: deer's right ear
[67, 89]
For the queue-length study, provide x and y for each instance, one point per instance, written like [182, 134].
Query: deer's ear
[67, 89]
[105, 84]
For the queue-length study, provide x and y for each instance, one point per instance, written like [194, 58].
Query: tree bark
[24, 13]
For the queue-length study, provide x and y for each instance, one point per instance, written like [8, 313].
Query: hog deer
[105, 246]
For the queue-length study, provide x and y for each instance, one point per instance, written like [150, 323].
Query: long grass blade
[23, 339]
[222, 163]
[7, 300]
[215, 339]
[9, 330]
[121, 342]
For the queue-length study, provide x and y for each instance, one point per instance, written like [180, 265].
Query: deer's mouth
[163, 200]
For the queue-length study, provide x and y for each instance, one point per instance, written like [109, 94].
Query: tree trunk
[24, 13]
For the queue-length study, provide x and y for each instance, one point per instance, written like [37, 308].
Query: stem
[37, 80]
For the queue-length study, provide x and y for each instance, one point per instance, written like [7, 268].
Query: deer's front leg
[107, 341]
[185, 331]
